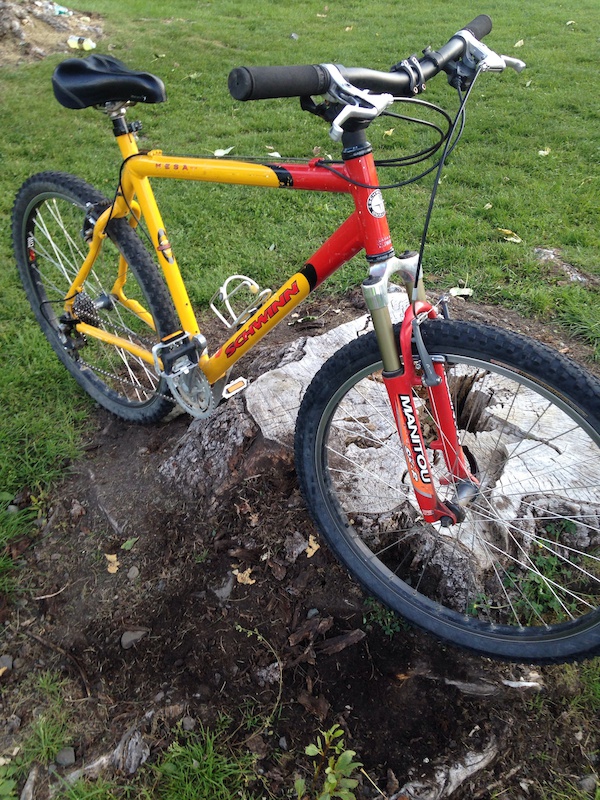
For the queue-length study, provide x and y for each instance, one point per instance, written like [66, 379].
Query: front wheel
[519, 578]
[123, 293]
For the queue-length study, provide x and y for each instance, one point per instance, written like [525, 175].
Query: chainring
[193, 392]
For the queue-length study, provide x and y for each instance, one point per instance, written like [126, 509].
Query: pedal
[236, 386]
[177, 354]
[234, 289]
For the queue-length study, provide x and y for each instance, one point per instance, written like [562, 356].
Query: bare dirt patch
[31, 31]
[221, 609]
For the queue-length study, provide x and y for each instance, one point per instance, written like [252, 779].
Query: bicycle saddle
[98, 79]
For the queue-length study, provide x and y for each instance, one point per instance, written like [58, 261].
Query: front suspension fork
[400, 377]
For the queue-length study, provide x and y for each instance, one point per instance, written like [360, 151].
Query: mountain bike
[451, 466]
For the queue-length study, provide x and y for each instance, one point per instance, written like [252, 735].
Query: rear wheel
[519, 578]
[48, 237]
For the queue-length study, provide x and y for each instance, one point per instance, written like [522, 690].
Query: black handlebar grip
[480, 26]
[262, 83]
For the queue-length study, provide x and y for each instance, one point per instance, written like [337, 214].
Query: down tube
[345, 243]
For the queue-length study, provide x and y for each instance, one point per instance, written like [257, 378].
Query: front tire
[520, 577]
[47, 225]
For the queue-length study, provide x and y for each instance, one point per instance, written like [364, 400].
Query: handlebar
[261, 83]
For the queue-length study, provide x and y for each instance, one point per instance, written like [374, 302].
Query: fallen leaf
[313, 546]
[315, 705]
[77, 510]
[510, 236]
[277, 569]
[129, 543]
[388, 133]
[3, 670]
[257, 745]
[113, 563]
[544, 152]
[487, 206]
[221, 153]
[460, 291]
[571, 22]
[348, 28]
[520, 43]
[244, 577]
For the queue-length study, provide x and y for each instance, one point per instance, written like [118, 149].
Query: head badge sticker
[375, 204]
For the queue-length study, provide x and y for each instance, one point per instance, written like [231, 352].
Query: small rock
[13, 724]
[188, 723]
[313, 612]
[130, 638]
[224, 592]
[18, 663]
[159, 697]
[283, 743]
[294, 546]
[65, 757]
[6, 662]
[12, 509]
[133, 573]
[588, 784]
[294, 36]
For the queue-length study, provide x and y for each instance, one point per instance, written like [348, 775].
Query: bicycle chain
[119, 379]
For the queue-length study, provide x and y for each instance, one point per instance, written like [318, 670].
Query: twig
[54, 594]
[48, 643]
[369, 778]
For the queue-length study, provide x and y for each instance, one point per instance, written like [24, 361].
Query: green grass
[197, 766]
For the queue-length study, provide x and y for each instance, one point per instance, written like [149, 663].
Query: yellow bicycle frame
[136, 200]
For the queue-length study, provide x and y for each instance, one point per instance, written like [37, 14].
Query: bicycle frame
[366, 228]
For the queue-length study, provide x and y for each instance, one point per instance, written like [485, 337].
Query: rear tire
[518, 579]
[47, 227]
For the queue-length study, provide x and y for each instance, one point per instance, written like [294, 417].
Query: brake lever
[479, 57]
[358, 103]
[514, 63]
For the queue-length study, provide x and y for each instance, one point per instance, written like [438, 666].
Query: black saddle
[95, 80]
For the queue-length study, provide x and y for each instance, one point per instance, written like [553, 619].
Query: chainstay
[98, 370]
